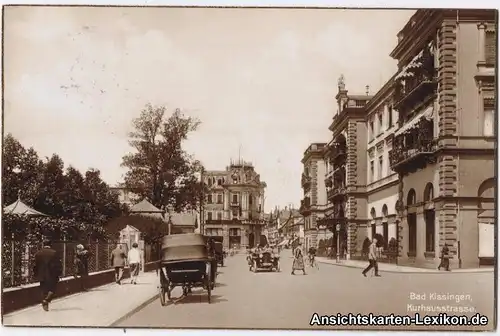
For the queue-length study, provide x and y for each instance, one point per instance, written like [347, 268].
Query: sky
[262, 81]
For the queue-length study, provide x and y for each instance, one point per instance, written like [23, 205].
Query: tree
[160, 170]
[21, 171]
[46, 187]
[51, 193]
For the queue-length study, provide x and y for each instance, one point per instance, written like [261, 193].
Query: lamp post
[337, 227]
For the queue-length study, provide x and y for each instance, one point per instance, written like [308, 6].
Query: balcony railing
[422, 84]
[413, 149]
[336, 192]
[235, 203]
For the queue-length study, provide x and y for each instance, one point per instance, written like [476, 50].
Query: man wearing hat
[47, 270]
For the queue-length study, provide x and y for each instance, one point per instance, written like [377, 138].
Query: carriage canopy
[179, 247]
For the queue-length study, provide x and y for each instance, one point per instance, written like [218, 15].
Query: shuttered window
[490, 47]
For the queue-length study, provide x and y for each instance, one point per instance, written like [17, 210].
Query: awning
[415, 63]
[427, 113]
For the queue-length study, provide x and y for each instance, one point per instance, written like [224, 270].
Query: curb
[412, 272]
[133, 311]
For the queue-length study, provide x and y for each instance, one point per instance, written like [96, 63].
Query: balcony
[234, 203]
[414, 149]
[337, 192]
[417, 86]
[305, 206]
[329, 181]
[306, 181]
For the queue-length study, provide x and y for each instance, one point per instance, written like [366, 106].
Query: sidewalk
[392, 268]
[99, 307]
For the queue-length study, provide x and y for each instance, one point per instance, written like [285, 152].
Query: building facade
[313, 204]
[382, 181]
[345, 179]
[443, 149]
[415, 162]
[234, 206]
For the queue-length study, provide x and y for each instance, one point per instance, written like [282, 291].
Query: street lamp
[337, 227]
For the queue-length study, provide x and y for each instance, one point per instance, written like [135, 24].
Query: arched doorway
[411, 220]
[430, 220]
[486, 222]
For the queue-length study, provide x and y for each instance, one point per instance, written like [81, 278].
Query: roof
[183, 218]
[19, 208]
[145, 206]
[130, 228]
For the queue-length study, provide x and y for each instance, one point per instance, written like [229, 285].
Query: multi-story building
[382, 181]
[345, 179]
[415, 162]
[443, 149]
[233, 209]
[312, 206]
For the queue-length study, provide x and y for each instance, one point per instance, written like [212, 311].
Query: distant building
[130, 235]
[234, 206]
[314, 203]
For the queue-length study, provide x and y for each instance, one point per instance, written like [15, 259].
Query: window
[219, 182]
[209, 199]
[235, 199]
[209, 215]
[371, 130]
[234, 232]
[380, 166]
[380, 123]
[389, 115]
[250, 200]
[372, 171]
[235, 213]
[219, 215]
[209, 181]
[489, 118]
[219, 198]
[490, 48]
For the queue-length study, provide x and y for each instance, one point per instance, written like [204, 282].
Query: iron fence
[18, 259]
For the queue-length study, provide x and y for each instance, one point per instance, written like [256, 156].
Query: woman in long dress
[298, 261]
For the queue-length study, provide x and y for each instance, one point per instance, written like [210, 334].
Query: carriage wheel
[162, 296]
[255, 266]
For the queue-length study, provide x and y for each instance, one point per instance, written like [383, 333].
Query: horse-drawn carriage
[185, 263]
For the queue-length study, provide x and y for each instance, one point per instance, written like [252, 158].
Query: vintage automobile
[264, 259]
[185, 263]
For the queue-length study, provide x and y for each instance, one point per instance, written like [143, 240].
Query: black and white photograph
[277, 168]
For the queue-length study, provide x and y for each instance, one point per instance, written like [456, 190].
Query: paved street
[279, 300]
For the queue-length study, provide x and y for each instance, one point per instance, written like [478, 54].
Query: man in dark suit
[47, 270]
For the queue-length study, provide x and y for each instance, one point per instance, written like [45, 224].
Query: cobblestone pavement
[272, 300]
